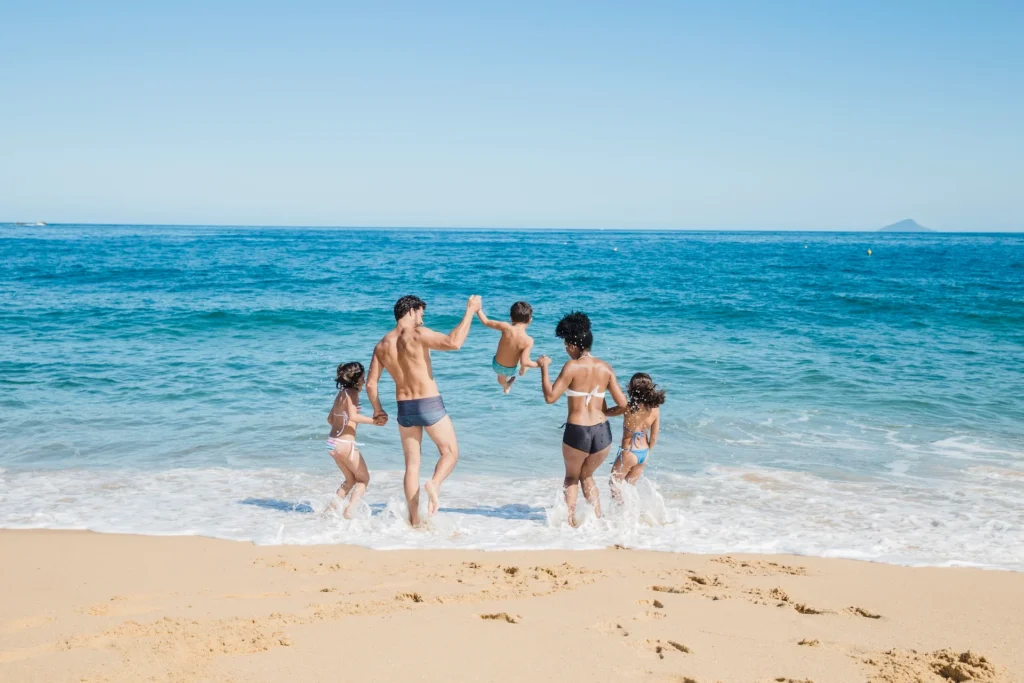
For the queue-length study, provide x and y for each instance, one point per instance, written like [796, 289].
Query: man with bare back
[405, 353]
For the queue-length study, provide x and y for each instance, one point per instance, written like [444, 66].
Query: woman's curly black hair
[642, 392]
[575, 329]
[349, 375]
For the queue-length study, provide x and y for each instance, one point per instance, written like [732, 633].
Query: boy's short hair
[408, 303]
[521, 312]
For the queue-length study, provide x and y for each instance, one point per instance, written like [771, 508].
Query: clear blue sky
[719, 115]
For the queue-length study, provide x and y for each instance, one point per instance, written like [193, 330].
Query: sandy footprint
[611, 628]
[502, 616]
[910, 666]
[807, 609]
[760, 567]
[665, 647]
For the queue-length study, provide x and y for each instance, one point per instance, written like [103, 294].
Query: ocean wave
[718, 510]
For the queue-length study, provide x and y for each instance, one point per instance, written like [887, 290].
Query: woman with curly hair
[584, 379]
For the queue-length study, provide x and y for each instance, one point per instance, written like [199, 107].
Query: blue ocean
[821, 400]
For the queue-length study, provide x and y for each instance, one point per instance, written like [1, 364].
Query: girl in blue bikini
[640, 425]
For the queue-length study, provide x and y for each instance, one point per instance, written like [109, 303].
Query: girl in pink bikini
[343, 418]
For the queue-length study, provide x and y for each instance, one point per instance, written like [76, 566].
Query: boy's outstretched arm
[493, 324]
[524, 359]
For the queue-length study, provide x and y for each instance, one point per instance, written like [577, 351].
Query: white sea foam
[977, 522]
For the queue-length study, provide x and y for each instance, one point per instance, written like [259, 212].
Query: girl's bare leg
[573, 464]
[362, 480]
[590, 465]
[620, 471]
[340, 455]
[635, 472]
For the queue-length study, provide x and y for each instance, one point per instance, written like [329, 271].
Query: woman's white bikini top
[586, 394]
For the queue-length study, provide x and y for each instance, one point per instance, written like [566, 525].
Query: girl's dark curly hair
[575, 329]
[643, 392]
[349, 375]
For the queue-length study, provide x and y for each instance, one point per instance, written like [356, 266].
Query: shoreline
[88, 606]
[721, 510]
[495, 550]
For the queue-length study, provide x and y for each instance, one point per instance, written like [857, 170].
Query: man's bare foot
[433, 502]
[508, 384]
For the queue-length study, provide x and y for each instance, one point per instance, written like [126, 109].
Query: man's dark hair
[521, 312]
[575, 329]
[408, 303]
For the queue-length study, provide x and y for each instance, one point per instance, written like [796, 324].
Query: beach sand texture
[85, 607]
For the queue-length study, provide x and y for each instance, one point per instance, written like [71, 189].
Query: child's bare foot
[433, 502]
[508, 384]
[339, 498]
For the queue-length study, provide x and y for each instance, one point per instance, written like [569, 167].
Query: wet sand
[84, 607]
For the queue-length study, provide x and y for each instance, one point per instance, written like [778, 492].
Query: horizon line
[496, 228]
[502, 228]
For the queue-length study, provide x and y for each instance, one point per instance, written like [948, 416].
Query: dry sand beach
[85, 607]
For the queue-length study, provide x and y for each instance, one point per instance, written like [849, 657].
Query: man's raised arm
[454, 340]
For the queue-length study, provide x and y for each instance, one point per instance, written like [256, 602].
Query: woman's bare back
[592, 376]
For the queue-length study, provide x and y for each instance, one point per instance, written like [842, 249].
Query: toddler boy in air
[514, 346]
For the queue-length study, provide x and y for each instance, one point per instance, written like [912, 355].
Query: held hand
[380, 419]
[475, 303]
[544, 362]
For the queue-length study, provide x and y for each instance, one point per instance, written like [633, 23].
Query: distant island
[906, 225]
